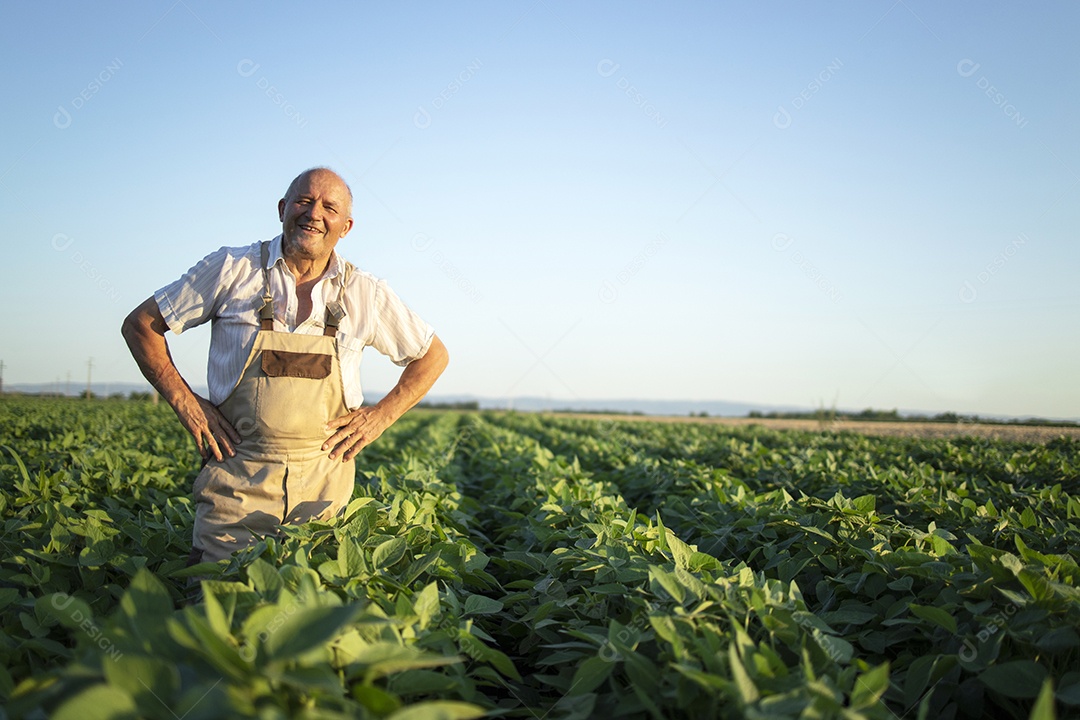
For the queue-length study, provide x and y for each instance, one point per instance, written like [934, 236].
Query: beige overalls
[290, 388]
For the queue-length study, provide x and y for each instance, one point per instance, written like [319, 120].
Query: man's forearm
[144, 331]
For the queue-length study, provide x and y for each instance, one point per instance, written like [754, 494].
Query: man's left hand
[361, 427]
[355, 431]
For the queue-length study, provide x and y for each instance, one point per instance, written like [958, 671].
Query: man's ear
[347, 228]
[281, 210]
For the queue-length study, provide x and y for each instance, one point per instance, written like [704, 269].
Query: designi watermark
[607, 68]
[422, 118]
[61, 243]
[609, 291]
[423, 243]
[63, 119]
[61, 602]
[247, 68]
[967, 68]
[969, 651]
[782, 242]
[969, 293]
[782, 119]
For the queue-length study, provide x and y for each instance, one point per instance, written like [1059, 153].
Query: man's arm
[363, 426]
[144, 330]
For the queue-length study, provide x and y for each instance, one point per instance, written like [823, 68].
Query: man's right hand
[214, 435]
[144, 330]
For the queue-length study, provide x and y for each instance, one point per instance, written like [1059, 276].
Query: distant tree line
[577, 411]
[872, 415]
[460, 405]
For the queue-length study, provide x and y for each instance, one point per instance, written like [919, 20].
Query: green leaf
[941, 546]
[845, 616]
[98, 702]
[439, 710]
[838, 649]
[422, 682]
[204, 569]
[748, 692]
[265, 578]
[680, 551]
[426, 604]
[356, 505]
[1028, 519]
[306, 629]
[706, 680]
[1069, 694]
[146, 597]
[1015, 679]
[68, 609]
[152, 682]
[1059, 640]
[389, 552]
[19, 462]
[1043, 709]
[476, 649]
[935, 615]
[193, 632]
[590, 675]
[376, 700]
[351, 561]
[10, 595]
[321, 678]
[215, 614]
[481, 605]
[385, 658]
[870, 686]
[668, 584]
[918, 678]
[865, 503]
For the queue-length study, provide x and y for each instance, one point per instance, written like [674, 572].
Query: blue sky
[863, 204]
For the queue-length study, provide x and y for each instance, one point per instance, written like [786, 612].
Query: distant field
[526, 566]
[1012, 433]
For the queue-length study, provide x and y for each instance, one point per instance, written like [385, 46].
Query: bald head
[325, 173]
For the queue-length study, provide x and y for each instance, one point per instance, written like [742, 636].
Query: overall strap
[335, 311]
[266, 313]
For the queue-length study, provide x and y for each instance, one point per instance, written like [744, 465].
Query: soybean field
[525, 566]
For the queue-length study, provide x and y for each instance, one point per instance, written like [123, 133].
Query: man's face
[314, 215]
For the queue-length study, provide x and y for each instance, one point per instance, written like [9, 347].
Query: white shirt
[226, 288]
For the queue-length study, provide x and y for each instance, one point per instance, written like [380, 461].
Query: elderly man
[289, 321]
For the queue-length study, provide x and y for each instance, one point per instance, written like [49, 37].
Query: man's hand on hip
[213, 434]
[355, 431]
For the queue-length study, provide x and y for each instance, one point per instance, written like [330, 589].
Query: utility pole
[67, 385]
[89, 366]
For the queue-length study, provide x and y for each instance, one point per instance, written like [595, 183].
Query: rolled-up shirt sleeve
[192, 299]
[400, 334]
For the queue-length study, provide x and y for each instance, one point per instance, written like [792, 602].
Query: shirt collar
[335, 270]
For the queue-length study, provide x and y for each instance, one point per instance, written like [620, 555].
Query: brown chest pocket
[282, 363]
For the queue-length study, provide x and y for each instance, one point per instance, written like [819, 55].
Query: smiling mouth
[309, 228]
